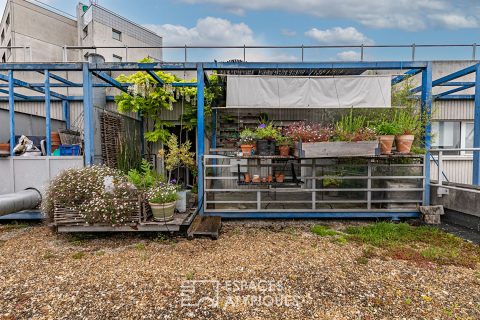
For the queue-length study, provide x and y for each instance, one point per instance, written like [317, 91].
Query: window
[7, 21]
[469, 136]
[117, 58]
[3, 36]
[446, 135]
[4, 58]
[117, 35]
[85, 32]
[9, 50]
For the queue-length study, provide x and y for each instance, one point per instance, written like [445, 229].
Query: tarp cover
[303, 92]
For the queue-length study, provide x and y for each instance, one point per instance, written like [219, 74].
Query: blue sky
[309, 22]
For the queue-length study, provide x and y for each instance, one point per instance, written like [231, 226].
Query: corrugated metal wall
[453, 110]
[456, 169]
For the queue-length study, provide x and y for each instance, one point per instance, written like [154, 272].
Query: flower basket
[336, 149]
[72, 217]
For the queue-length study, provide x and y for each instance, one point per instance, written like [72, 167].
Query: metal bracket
[442, 191]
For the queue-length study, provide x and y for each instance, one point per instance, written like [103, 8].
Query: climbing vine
[148, 98]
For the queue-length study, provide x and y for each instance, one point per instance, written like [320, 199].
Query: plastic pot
[386, 143]
[181, 204]
[163, 211]
[246, 149]
[404, 142]
[266, 147]
[284, 151]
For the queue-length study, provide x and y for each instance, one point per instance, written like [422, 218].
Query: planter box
[336, 149]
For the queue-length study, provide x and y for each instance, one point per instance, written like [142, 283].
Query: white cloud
[212, 31]
[338, 35]
[207, 31]
[349, 55]
[412, 15]
[455, 21]
[288, 33]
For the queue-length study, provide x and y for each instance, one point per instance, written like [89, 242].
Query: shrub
[385, 127]
[267, 132]
[353, 128]
[163, 193]
[100, 194]
[247, 136]
[308, 132]
[407, 121]
[144, 178]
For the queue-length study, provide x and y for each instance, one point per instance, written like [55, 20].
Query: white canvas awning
[303, 92]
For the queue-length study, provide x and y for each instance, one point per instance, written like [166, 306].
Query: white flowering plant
[98, 193]
[163, 193]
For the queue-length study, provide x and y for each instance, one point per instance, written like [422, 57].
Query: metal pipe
[23, 200]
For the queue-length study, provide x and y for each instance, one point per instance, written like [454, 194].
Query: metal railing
[245, 49]
[442, 177]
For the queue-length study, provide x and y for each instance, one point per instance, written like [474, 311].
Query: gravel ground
[279, 271]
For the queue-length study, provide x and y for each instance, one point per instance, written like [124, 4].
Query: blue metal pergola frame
[100, 70]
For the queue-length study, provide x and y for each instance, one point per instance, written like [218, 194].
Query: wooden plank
[205, 226]
[129, 228]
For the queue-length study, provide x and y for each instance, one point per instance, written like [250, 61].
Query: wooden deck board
[205, 226]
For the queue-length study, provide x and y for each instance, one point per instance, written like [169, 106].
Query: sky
[307, 22]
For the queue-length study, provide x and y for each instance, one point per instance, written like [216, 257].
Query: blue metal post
[426, 108]
[88, 114]
[476, 129]
[11, 110]
[66, 113]
[200, 133]
[48, 120]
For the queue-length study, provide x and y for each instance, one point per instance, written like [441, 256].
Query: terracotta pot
[264, 179]
[404, 142]
[256, 178]
[270, 178]
[55, 138]
[5, 147]
[386, 143]
[163, 211]
[279, 177]
[246, 149]
[247, 178]
[284, 150]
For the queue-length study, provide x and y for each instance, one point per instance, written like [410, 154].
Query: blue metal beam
[476, 129]
[184, 84]
[66, 113]
[156, 77]
[200, 135]
[88, 115]
[17, 95]
[457, 97]
[11, 110]
[105, 77]
[41, 66]
[456, 84]
[62, 80]
[48, 120]
[409, 73]
[426, 108]
[311, 215]
[27, 85]
[449, 77]
[446, 93]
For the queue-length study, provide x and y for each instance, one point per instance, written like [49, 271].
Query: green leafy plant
[145, 177]
[353, 128]
[178, 155]
[331, 182]
[407, 121]
[248, 136]
[284, 141]
[385, 127]
[267, 132]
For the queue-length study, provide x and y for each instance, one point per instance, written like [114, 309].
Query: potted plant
[408, 124]
[247, 141]
[284, 143]
[178, 156]
[386, 131]
[266, 134]
[162, 200]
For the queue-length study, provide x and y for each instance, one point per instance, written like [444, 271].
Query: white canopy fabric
[303, 92]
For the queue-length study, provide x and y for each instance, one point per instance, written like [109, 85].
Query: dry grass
[49, 276]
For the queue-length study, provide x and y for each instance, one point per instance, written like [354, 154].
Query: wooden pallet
[205, 226]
